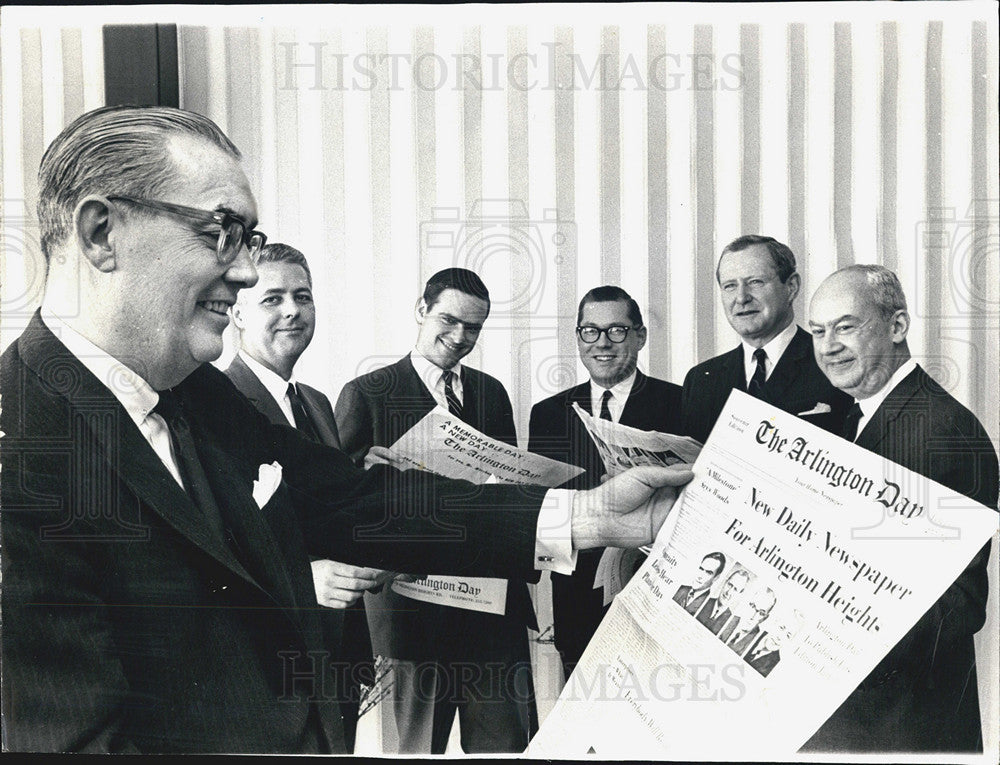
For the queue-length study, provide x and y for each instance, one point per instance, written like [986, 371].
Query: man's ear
[237, 313]
[420, 310]
[94, 221]
[794, 284]
[899, 325]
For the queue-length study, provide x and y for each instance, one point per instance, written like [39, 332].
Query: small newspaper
[788, 567]
[442, 443]
[622, 447]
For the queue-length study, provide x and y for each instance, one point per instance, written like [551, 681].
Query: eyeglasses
[616, 333]
[234, 232]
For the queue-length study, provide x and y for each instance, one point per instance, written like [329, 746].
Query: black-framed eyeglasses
[234, 232]
[616, 333]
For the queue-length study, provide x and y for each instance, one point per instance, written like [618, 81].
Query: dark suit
[316, 404]
[130, 624]
[348, 626]
[763, 662]
[705, 616]
[555, 431]
[740, 643]
[796, 385]
[682, 595]
[923, 695]
[376, 409]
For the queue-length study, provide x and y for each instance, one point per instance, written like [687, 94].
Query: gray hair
[115, 150]
[883, 286]
[782, 256]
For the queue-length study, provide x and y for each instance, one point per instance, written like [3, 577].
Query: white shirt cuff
[554, 538]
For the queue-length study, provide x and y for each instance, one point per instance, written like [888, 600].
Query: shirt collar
[774, 348]
[619, 391]
[871, 404]
[134, 393]
[276, 385]
[430, 372]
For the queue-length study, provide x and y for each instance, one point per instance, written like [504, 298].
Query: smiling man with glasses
[609, 335]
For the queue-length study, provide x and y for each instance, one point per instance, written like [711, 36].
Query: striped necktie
[454, 405]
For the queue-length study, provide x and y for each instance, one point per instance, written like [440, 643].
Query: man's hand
[627, 510]
[338, 585]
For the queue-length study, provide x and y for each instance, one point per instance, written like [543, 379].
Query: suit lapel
[470, 397]
[251, 387]
[580, 395]
[320, 418]
[411, 386]
[789, 366]
[877, 428]
[121, 445]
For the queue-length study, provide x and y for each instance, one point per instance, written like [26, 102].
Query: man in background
[716, 611]
[923, 695]
[609, 335]
[774, 361]
[693, 596]
[444, 658]
[275, 320]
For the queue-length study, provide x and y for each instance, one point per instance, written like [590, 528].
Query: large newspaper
[622, 447]
[442, 443]
[814, 550]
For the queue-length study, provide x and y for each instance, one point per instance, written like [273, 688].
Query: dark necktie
[303, 422]
[192, 473]
[756, 386]
[454, 405]
[851, 423]
[605, 411]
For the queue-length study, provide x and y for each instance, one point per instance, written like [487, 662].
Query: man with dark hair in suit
[693, 596]
[743, 629]
[609, 334]
[275, 320]
[923, 695]
[442, 657]
[774, 362]
[716, 611]
[156, 527]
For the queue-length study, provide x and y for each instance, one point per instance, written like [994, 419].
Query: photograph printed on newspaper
[787, 569]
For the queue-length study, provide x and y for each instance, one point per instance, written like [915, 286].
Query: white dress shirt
[433, 378]
[619, 395]
[774, 348]
[276, 385]
[135, 394]
[871, 404]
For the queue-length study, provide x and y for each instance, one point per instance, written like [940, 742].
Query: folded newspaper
[622, 447]
[788, 567]
[442, 443]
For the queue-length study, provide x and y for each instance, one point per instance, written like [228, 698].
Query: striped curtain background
[552, 154]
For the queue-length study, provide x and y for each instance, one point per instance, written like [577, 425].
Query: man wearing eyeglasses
[758, 285]
[156, 527]
[609, 335]
[743, 629]
[444, 659]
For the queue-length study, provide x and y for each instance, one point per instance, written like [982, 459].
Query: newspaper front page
[811, 547]
[442, 443]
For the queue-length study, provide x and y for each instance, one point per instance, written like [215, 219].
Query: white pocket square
[820, 408]
[268, 479]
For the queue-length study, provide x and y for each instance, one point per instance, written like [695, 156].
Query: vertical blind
[552, 154]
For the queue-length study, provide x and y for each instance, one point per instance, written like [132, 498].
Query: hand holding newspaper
[443, 444]
[622, 447]
[789, 567]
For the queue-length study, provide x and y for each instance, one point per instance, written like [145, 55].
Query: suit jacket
[375, 410]
[705, 616]
[131, 625]
[765, 662]
[555, 431]
[923, 695]
[796, 385]
[682, 594]
[346, 628]
[742, 643]
[316, 404]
